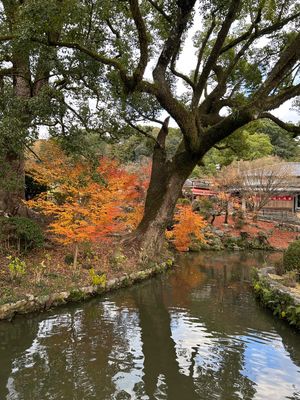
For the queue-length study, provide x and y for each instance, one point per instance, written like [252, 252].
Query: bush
[21, 232]
[291, 257]
[69, 259]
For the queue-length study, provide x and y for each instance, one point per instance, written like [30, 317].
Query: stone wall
[42, 303]
[284, 301]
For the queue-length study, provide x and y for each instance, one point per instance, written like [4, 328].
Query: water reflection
[195, 334]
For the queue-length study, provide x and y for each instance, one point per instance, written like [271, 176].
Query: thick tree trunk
[12, 174]
[12, 190]
[167, 179]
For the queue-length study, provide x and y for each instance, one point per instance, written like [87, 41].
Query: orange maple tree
[86, 203]
[189, 225]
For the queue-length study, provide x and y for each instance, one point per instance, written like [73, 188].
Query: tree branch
[160, 10]
[259, 33]
[201, 52]
[288, 58]
[170, 45]
[6, 72]
[93, 54]
[224, 128]
[143, 42]
[141, 131]
[273, 102]
[6, 38]
[113, 30]
[163, 133]
[232, 11]
[294, 129]
[177, 73]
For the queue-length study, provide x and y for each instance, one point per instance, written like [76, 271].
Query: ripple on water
[180, 339]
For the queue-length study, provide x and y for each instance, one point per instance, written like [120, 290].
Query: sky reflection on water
[196, 333]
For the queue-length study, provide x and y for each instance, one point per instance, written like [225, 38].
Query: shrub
[291, 257]
[97, 280]
[17, 268]
[21, 232]
[189, 226]
[69, 259]
[204, 206]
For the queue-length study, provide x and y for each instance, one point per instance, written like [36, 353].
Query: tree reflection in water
[196, 333]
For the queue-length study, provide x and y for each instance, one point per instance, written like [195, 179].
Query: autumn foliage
[189, 225]
[85, 202]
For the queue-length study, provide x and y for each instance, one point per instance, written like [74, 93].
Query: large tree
[247, 59]
[26, 97]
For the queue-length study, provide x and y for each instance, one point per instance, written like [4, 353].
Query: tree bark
[12, 190]
[167, 179]
[12, 178]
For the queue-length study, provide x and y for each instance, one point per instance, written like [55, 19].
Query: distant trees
[285, 144]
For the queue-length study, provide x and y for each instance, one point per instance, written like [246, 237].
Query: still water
[194, 333]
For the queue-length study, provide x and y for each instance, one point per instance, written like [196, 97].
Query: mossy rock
[282, 304]
[77, 295]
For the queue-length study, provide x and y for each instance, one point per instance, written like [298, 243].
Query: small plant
[262, 238]
[69, 259]
[117, 260]
[279, 268]
[21, 232]
[291, 257]
[39, 271]
[290, 279]
[97, 280]
[17, 268]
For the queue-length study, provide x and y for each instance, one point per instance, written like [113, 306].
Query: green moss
[77, 295]
[281, 304]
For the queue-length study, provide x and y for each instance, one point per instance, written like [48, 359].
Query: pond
[194, 333]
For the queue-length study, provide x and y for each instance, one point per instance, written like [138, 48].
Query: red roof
[203, 192]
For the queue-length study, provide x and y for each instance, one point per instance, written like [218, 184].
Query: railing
[279, 215]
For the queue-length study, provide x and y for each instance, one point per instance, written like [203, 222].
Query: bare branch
[6, 38]
[141, 131]
[113, 30]
[179, 74]
[170, 46]
[32, 151]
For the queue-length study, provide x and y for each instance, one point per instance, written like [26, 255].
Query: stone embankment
[283, 300]
[43, 303]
